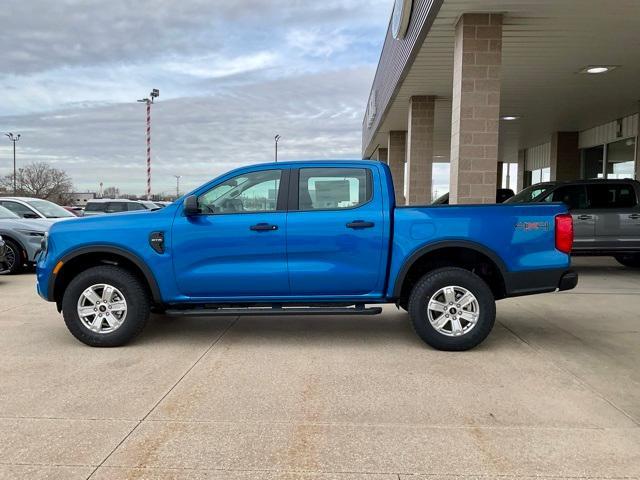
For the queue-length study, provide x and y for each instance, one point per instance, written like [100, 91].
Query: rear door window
[95, 207]
[574, 196]
[135, 206]
[116, 207]
[612, 195]
[333, 188]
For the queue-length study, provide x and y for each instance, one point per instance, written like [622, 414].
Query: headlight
[31, 233]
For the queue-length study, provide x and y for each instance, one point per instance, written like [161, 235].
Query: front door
[335, 233]
[236, 247]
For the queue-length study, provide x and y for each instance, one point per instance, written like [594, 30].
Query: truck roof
[299, 163]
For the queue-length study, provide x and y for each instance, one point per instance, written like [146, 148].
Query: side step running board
[220, 312]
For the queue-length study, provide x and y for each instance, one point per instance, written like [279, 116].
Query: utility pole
[277, 138]
[14, 138]
[178, 177]
[155, 93]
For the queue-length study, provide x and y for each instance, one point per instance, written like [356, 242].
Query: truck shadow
[390, 329]
[320, 330]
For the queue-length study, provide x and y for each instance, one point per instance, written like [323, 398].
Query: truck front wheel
[105, 306]
[452, 309]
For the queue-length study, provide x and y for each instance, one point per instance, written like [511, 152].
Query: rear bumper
[539, 281]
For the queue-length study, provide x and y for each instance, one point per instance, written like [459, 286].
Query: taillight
[564, 232]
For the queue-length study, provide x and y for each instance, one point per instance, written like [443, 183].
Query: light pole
[14, 139]
[277, 138]
[155, 93]
[178, 177]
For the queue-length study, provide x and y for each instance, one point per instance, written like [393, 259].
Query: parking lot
[554, 392]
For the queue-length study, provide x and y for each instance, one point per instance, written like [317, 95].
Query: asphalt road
[554, 392]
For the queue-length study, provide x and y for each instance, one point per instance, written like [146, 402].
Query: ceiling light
[596, 69]
[510, 118]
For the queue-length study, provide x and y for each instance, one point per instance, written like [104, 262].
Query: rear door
[584, 220]
[335, 229]
[615, 207]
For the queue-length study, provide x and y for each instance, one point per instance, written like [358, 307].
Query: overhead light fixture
[510, 118]
[597, 69]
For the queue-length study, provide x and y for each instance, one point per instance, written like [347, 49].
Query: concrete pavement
[554, 392]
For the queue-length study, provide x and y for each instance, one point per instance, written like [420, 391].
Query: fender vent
[156, 240]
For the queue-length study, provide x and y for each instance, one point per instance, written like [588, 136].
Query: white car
[26, 207]
[22, 238]
[101, 206]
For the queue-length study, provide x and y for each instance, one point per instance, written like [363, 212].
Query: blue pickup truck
[321, 237]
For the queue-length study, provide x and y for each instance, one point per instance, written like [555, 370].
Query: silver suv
[606, 215]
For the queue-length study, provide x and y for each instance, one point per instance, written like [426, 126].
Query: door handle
[585, 217]
[263, 227]
[360, 224]
[635, 216]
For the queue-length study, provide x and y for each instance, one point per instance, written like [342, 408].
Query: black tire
[13, 251]
[629, 260]
[438, 279]
[134, 292]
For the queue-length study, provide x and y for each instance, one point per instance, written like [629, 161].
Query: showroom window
[614, 160]
[620, 158]
[540, 175]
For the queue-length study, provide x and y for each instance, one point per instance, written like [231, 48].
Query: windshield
[534, 193]
[50, 209]
[6, 213]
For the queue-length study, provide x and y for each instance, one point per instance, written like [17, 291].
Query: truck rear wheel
[105, 306]
[452, 309]
[629, 260]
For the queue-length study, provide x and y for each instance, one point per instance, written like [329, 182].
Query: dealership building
[505, 93]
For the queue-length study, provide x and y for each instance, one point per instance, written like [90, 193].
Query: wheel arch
[23, 250]
[8, 236]
[452, 253]
[87, 257]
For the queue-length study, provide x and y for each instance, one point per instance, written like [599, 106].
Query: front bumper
[531, 282]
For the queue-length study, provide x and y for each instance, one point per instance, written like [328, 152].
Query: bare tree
[39, 180]
[111, 192]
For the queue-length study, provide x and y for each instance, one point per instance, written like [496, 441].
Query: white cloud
[231, 75]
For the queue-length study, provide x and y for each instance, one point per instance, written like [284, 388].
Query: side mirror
[191, 206]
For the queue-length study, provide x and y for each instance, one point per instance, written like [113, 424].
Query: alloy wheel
[102, 308]
[453, 311]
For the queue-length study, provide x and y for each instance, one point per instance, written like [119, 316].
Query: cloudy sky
[231, 75]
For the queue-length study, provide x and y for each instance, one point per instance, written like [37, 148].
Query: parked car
[22, 238]
[162, 204]
[101, 206]
[298, 238]
[502, 195]
[3, 257]
[606, 215]
[26, 207]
